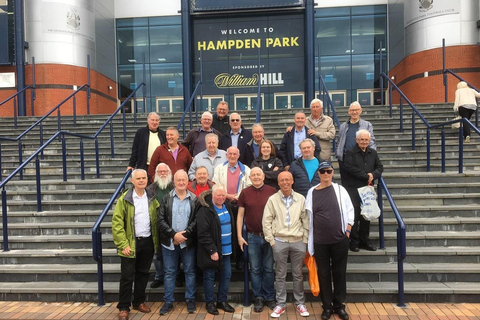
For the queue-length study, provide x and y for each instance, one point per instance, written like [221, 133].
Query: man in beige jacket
[322, 126]
[285, 227]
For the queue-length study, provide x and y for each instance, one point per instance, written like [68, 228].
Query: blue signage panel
[230, 50]
[211, 5]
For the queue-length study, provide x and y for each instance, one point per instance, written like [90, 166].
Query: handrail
[188, 109]
[401, 236]
[97, 237]
[33, 96]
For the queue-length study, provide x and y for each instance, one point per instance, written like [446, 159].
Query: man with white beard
[162, 184]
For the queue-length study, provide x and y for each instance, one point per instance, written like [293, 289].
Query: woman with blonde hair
[466, 104]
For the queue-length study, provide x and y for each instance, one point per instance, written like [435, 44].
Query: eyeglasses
[323, 171]
[235, 120]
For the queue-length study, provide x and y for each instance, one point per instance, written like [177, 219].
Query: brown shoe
[142, 307]
[123, 315]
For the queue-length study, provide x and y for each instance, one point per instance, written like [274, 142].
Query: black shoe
[271, 304]
[191, 306]
[211, 308]
[156, 284]
[342, 314]
[326, 314]
[258, 306]
[166, 308]
[368, 247]
[225, 307]
[354, 248]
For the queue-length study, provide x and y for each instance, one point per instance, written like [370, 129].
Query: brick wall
[419, 89]
[55, 82]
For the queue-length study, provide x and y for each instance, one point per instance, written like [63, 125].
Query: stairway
[50, 251]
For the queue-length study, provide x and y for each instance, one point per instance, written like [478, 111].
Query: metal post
[20, 157]
[186, 50]
[201, 83]
[1, 178]
[97, 160]
[443, 149]
[39, 187]
[390, 91]
[112, 144]
[101, 301]
[460, 147]
[59, 123]
[381, 230]
[400, 245]
[381, 75]
[124, 125]
[74, 110]
[82, 161]
[413, 130]
[309, 50]
[444, 71]
[33, 93]
[88, 82]
[64, 157]
[144, 87]
[428, 149]
[401, 114]
[15, 112]
[5, 220]
[41, 139]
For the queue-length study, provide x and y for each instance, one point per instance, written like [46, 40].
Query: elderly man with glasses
[237, 136]
[331, 215]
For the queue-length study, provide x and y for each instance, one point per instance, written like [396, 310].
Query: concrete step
[56, 228]
[431, 224]
[57, 215]
[56, 242]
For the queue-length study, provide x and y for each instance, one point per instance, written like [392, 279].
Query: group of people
[190, 201]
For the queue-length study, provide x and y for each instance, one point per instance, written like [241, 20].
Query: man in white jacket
[331, 215]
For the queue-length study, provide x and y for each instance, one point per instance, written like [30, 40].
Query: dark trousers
[361, 228]
[467, 114]
[332, 262]
[135, 271]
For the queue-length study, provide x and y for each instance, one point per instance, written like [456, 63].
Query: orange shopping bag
[312, 274]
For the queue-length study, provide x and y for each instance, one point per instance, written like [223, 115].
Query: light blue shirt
[180, 215]
[235, 137]
[298, 136]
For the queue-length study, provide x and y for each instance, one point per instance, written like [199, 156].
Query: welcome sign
[230, 47]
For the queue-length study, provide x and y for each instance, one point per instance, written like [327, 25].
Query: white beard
[162, 183]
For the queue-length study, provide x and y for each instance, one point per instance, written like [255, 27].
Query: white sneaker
[302, 309]
[278, 311]
[467, 139]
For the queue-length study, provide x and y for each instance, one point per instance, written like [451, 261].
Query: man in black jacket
[176, 227]
[361, 167]
[146, 141]
[237, 136]
[221, 120]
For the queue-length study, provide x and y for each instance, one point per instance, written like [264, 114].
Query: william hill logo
[226, 80]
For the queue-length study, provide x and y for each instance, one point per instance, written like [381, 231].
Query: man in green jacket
[135, 236]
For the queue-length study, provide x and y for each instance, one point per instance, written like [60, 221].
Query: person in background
[173, 154]
[361, 167]
[195, 139]
[331, 214]
[269, 163]
[162, 184]
[304, 169]
[465, 104]
[346, 134]
[176, 228]
[290, 146]
[215, 232]
[146, 141]
[135, 236]
[237, 136]
[285, 227]
[251, 203]
[201, 182]
[221, 120]
[210, 158]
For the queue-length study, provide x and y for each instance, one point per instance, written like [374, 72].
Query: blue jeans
[158, 264]
[261, 267]
[170, 265]
[209, 280]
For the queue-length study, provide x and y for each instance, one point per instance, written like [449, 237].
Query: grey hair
[362, 131]
[210, 135]
[134, 172]
[307, 140]
[207, 114]
[218, 186]
[316, 101]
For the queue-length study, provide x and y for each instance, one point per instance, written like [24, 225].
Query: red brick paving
[357, 311]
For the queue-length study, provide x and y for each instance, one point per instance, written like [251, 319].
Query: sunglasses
[235, 120]
[323, 171]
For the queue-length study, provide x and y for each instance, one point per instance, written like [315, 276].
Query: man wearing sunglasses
[361, 167]
[237, 136]
[331, 216]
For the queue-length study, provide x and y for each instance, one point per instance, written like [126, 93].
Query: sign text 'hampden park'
[247, 43]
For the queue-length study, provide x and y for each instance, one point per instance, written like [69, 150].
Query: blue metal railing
[97, 237]
[401, 236]
[188, 110]
[33, 96]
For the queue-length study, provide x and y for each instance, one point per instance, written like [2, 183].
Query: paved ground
[363, 311]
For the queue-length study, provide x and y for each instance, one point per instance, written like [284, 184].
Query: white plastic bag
[368, 203]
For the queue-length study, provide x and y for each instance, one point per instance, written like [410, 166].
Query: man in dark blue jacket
[290, 146]
[304, 168]
[237, 136]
